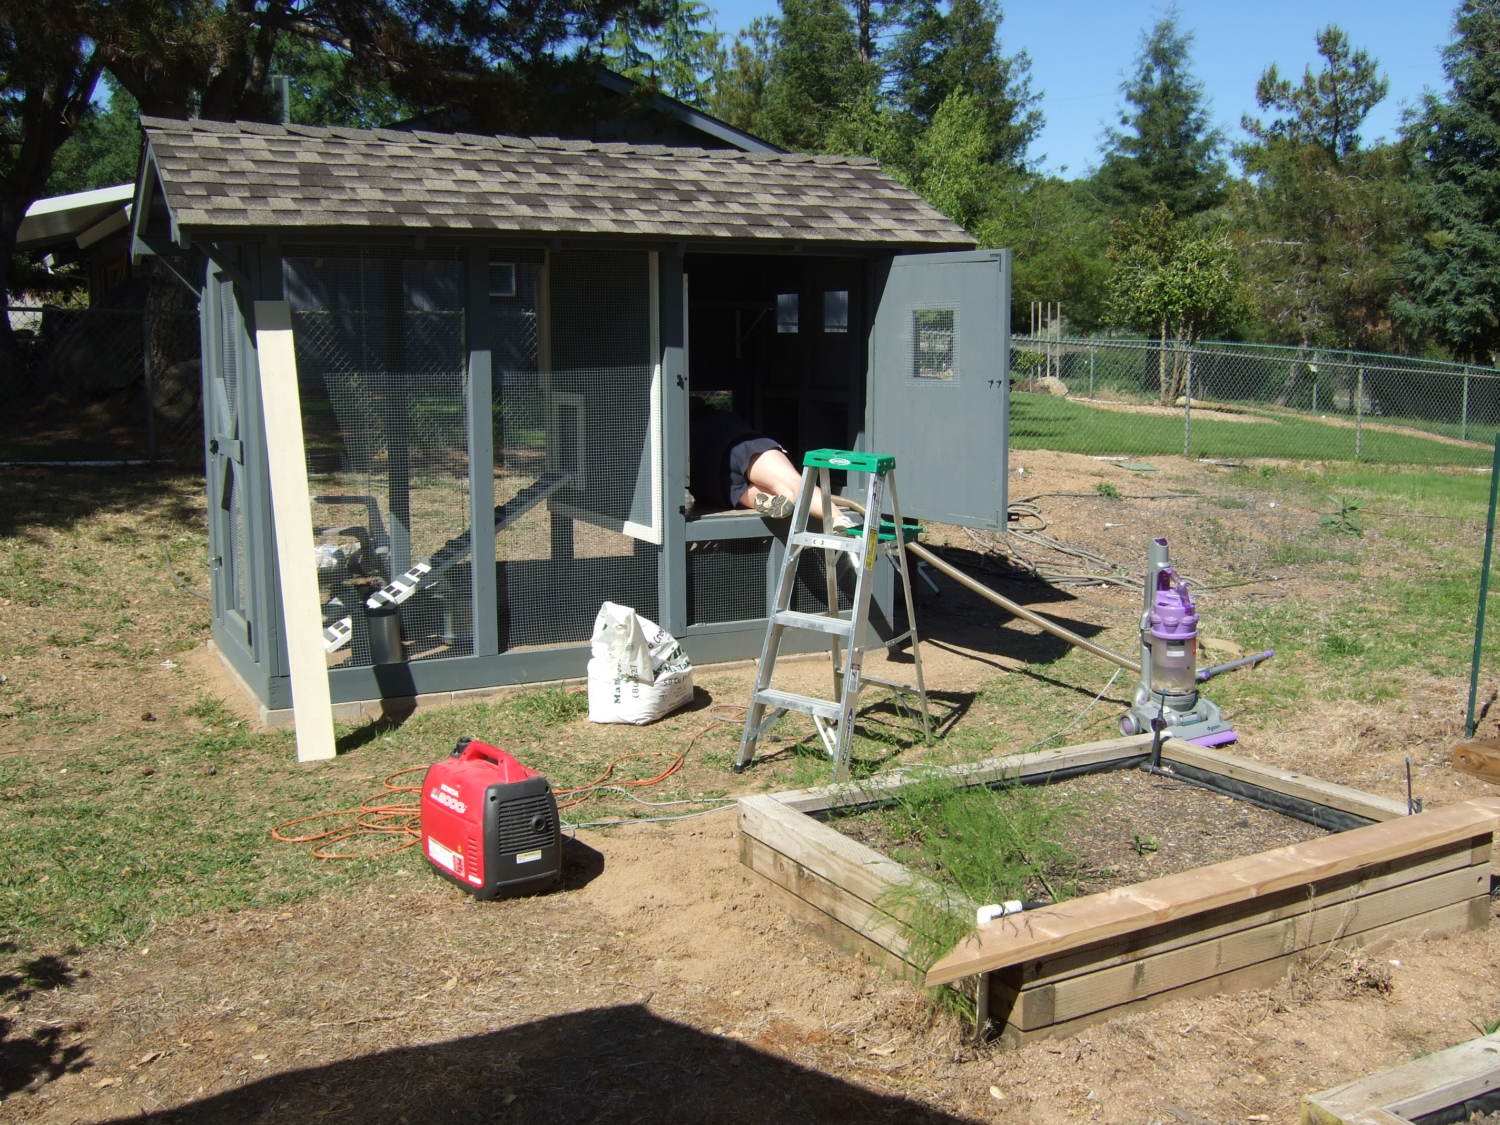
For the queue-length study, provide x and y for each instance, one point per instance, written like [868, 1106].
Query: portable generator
[489, 824]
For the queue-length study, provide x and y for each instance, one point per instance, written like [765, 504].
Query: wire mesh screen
[381, 360]
[810, 591]
[726, 581]
[1217, 399]
[575, 432]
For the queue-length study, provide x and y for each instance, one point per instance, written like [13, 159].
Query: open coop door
[939, 383]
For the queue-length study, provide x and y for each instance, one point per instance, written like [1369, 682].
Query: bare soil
[663, 981]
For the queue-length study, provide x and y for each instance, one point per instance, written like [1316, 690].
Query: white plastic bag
[637, 671]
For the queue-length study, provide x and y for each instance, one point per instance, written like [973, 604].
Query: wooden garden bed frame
[1448, 1085]
[1237, 924]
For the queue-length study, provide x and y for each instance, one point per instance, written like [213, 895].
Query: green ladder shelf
[847, 636]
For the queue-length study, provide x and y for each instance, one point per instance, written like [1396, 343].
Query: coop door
[228, 530]
[939, 389]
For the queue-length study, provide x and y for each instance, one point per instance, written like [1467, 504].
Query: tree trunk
[1163, 379]
[1294, 369]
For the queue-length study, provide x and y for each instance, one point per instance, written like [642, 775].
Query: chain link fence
[102, 384]
[1138, 398]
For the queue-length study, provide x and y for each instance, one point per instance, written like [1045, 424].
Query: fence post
[1484, 591]
[1465, 431]
[1187, 408]
[1092, 351]
[1359, 414]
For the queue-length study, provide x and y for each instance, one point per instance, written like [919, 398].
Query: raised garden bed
[1239, 923]
[1461, 1084]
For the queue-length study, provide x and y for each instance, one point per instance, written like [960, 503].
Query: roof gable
[219, 176]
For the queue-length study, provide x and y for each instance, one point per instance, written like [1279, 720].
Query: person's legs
[772, 472]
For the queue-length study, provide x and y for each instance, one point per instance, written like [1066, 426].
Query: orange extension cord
[388, 814]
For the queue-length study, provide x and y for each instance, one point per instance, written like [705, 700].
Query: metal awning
[81, 218]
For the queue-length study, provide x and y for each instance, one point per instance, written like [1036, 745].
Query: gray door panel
[939, 383]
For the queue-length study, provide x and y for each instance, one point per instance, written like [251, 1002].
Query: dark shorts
[740, 456]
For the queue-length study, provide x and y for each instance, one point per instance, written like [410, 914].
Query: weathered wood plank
[1325, 793]
[1422, 1086]
[291, 515]
[1039, 1005]
[868, 921]
[882, 787]
[1480, 758]
[1470, 914]
[838, 935]
[858, 869]
[1069, 925]
[1269, 908]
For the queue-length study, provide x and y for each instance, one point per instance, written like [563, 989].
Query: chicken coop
[496, 342]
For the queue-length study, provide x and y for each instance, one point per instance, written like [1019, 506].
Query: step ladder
[862, 546]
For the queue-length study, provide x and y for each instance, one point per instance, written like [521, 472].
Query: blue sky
[1081, 49]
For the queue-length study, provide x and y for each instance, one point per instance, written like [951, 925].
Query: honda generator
[489, 823]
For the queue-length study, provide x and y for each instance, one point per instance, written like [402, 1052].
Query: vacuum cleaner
[1167, 693]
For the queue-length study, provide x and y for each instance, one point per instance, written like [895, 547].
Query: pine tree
[1325, 109]
[1453, 265]
[1167, 151]
[738, 89]
[940, 51]
[814, 74]
[666, 44]
[1325, 218]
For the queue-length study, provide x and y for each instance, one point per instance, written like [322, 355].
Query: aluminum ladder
[847, 636]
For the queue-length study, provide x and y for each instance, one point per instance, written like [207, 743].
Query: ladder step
[849, 545]
[804, 704]
[817, 622]
[865, 681]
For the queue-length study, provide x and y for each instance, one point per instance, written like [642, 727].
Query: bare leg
[773, 472]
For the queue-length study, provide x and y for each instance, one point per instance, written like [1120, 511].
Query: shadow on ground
[620, 1064]
[42, 1054]
[59, 497]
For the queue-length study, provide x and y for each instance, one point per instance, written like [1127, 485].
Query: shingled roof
[218, 176]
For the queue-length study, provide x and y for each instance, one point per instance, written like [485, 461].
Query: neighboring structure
[89, 225]
[483, 320]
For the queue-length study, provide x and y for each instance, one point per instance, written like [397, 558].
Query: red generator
[489, 824]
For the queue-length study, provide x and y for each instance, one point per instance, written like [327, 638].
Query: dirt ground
[664, 982]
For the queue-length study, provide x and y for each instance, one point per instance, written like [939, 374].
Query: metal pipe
[1205, 674]
[1021, 611]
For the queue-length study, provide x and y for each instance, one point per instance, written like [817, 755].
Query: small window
[502, 279]
[836, 310]
[786, 312]
[934, 344]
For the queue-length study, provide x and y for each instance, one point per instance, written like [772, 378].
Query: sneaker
[773, 506]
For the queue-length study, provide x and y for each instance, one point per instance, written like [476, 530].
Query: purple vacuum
[1168, 688]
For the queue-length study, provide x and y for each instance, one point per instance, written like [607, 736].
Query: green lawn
[1039, 421]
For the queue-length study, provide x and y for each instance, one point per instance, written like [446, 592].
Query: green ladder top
[849, 460]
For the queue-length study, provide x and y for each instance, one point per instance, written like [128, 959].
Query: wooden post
[291, 513]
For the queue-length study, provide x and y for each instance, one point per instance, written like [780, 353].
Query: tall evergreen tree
[814, 74]
[738, 90]
[1454, 263]
[1167, 150]
[667, 44]
[1325, 109]
[942, 50]
[1325, 218]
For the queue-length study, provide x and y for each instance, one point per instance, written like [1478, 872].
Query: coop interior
[578, 422]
